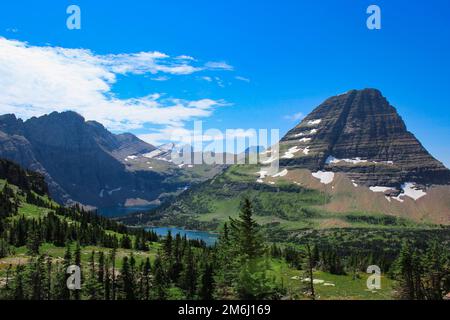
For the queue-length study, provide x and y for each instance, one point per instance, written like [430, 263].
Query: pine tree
[160, 279]
[77, 262]
[309, 265]
[206, 287]
[101, 272]
[188, 277]
[61, 290]
[48, 284]
[113, 276]
[246, 234]
[92, 285]
[36, 278]
[33, 243]
[107, 281]
[146, 275]
[250, 266]
[126, 281]
[19, 286]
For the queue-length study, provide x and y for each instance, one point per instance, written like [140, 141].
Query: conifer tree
[92, 285]
[146, 275]
[77, 262]
[188, 277]
[19, 286]
[246, 234]
[113, 275]
[206, 286]
[33, 242]
[48, 284]
[61, 290]
[126, 281]
[160, 279]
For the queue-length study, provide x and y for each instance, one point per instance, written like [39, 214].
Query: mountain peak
[367, 139]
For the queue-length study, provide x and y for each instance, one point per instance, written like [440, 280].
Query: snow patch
[131, 158]
[270, 160]
[315, 281]
[306, 150]
[332, 160]
[262, 174]
[325, 177]
[301, 134]
[410, 190]
[380, 189]
[305, 139]
[280, 174]
[314, 122]
[290, 153]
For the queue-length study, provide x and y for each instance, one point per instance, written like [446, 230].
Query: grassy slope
[345, 287]
[282, 203]
[31, 211]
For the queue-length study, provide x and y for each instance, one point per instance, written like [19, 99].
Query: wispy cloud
[183, 136]
[38, 80]
[161, 78]
[294, 117]
[218, 66]
[242, 79]
[12, 30]
[206, 78]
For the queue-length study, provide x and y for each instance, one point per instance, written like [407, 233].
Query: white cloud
[295, 116]
[182, 136]
[242, 79]
[39, 80]
[185, 57]
[206, 78]
[218, 66]
[161, 78]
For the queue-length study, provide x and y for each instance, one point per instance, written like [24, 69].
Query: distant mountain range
[352, 155]
[84, 163]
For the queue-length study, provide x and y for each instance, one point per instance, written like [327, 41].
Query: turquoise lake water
[209, 238]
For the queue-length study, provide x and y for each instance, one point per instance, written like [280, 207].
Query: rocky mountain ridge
[359, 133]
[85, 163]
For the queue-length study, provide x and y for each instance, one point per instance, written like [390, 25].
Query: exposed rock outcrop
[81, 160]
[361, 134]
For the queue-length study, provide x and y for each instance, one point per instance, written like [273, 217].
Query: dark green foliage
[423, 275]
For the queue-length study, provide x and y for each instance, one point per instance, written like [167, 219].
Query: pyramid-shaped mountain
[350, 157]
[361, 134]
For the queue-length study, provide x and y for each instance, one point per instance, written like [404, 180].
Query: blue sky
[257, 63]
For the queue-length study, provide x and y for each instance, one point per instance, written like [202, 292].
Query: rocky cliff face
[361, 134]
[81, 161]
[26, 180]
